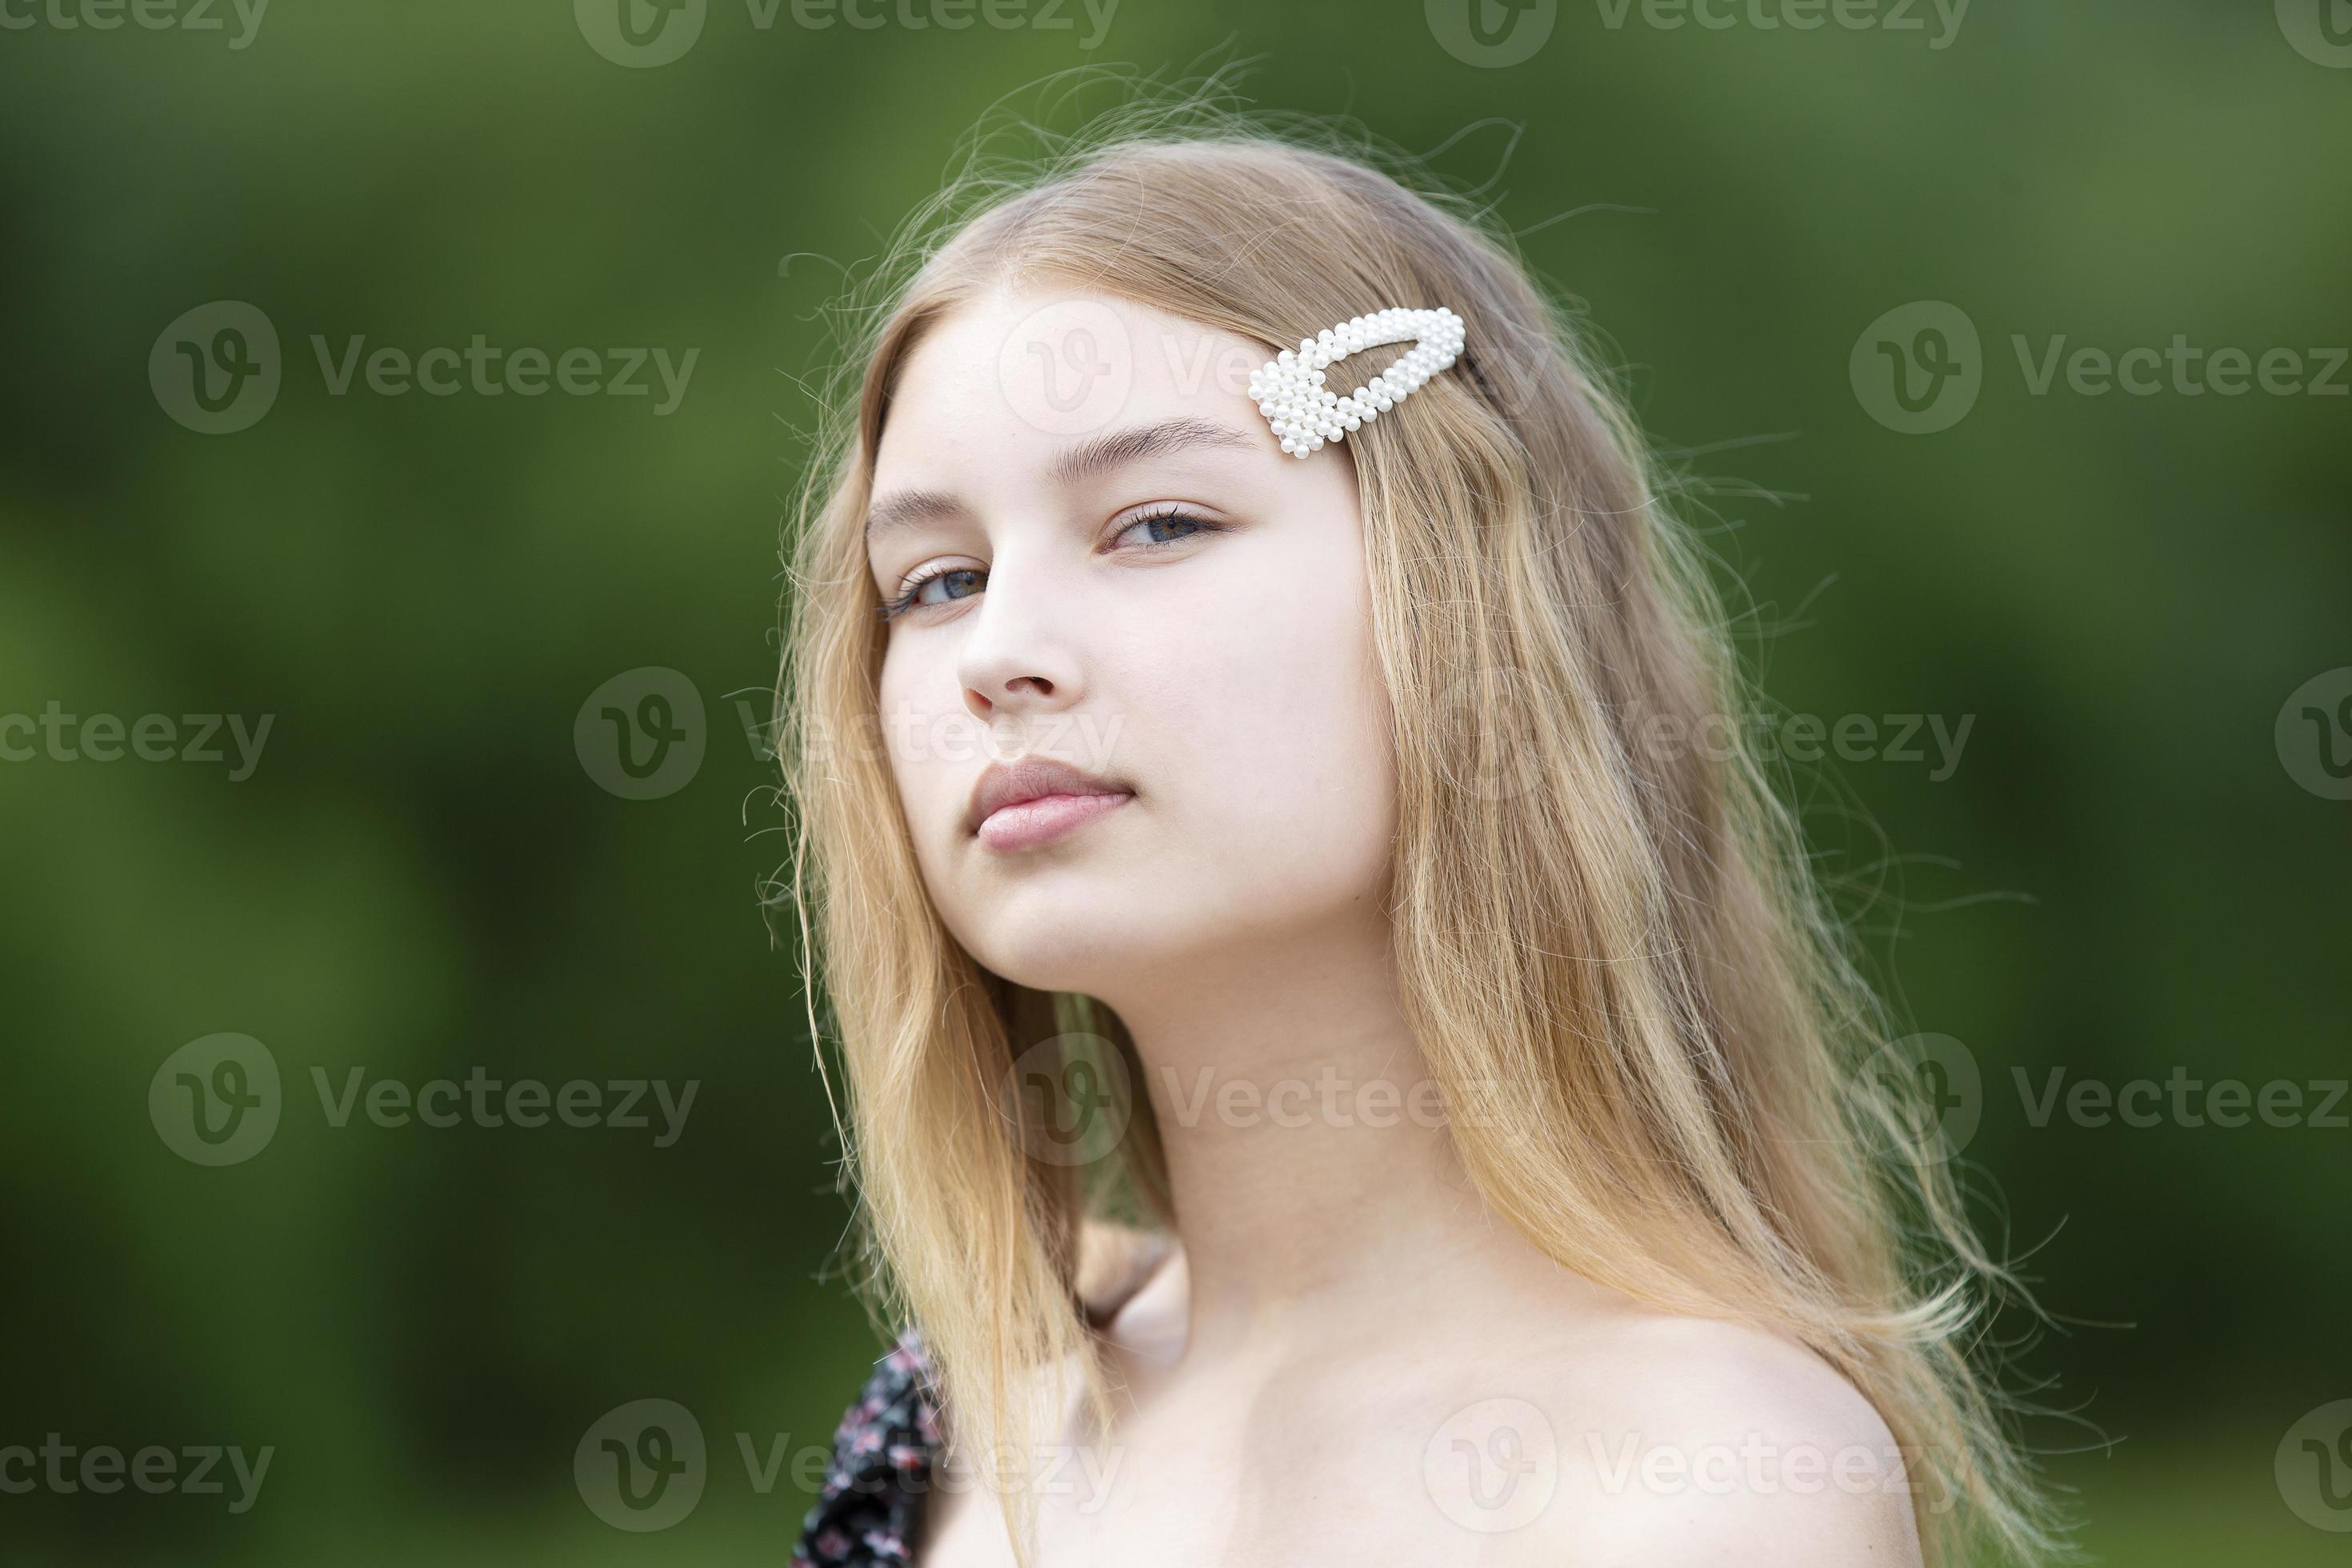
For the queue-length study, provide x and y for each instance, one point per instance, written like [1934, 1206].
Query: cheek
[1278, 710]
[920, 732]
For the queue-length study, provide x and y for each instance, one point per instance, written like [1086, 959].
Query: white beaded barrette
[1289, 388]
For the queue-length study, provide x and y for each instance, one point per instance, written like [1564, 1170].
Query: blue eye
[968, 579]
[1159, 524]
[1161, 529]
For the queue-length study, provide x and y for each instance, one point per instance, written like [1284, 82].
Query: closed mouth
[1002, 786]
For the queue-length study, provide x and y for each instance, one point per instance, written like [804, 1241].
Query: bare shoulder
[1687, 1441]
[1123, 1279]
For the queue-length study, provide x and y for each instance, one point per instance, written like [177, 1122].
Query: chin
[1063, 931]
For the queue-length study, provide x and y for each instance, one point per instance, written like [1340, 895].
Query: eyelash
[892, 609]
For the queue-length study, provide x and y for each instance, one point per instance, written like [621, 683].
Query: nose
[1017, 658]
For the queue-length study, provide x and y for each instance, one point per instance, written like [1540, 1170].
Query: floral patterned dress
[870, 1508]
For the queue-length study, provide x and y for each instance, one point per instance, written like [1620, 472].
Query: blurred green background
[2125, 872]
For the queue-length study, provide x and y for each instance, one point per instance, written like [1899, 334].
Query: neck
[1307, 1149]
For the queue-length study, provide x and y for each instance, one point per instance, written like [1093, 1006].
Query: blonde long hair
[1625, 941]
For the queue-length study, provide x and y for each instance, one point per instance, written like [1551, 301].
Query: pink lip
[1021, 804]
[1030, 823]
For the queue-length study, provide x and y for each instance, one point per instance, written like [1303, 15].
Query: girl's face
[1096, 554]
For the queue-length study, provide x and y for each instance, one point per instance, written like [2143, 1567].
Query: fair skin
[1309, 1377]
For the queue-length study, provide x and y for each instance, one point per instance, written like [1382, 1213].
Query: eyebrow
[1094, 456]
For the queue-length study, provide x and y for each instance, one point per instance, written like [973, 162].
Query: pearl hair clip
[1289, 388]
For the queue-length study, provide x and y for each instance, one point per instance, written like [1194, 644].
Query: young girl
[1344, 1062]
